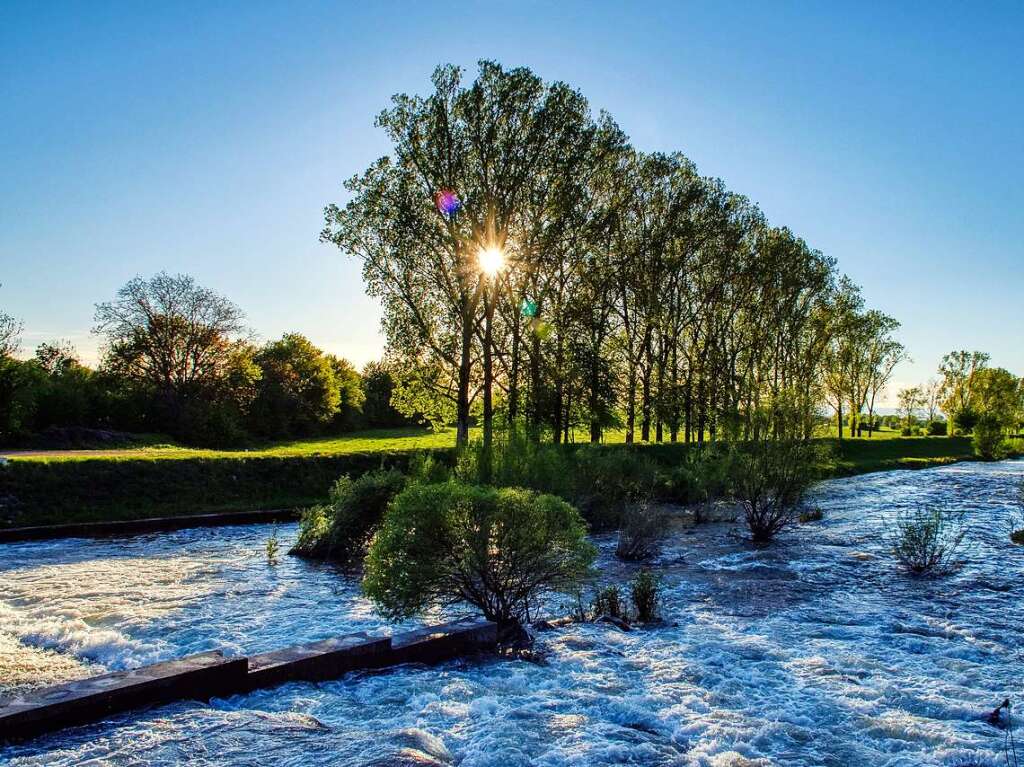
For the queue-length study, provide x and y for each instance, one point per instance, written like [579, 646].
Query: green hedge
[57, 492]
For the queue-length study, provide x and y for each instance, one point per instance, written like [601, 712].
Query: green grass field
[372, 441]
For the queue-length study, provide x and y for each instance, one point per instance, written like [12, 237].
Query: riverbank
[36, 491]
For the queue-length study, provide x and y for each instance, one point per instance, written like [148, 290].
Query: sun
[492, 260]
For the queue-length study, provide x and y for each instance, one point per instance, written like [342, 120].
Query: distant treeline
[177, 361]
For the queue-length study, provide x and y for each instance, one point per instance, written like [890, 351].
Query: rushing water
[813, 651]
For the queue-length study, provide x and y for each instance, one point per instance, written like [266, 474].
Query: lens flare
[446, 202]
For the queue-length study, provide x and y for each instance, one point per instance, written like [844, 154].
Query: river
[816, 650]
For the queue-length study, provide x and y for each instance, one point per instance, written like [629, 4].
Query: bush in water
[495, 548]
[645, 592]
[926, 540]
[1017, 518]
[609, 603]
[272, 547]
[342, 528]
[769, 479]
[642, 532]
[608, 481]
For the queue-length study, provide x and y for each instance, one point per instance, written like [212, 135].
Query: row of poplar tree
[635, 293]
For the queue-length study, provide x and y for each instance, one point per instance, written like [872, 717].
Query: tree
[959, 370]
[996, 394]
[351, 397]
[171, 336]
[910, 399]
[298, 392]
[496, 549]
[378, 407]
[932, 392]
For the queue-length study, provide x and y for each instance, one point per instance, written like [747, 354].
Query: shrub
[272, 547]
[641, 534]
[609, 481]
[769, 480]
[342, 529]
[905, 431]
[495, 548]
[609, 602]
[679, 484]
[989, 443]
[517, 461]
[1017, 518]
[965, 420]
[926, 540]
[645, 592]
[937, 428]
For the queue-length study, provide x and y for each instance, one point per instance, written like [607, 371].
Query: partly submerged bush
[498, 549]
[926, 541]
[989, 442]
[642, 532]
[607, 482]
[1017, 518]
[645, 591]
[769, 479]
[341, 529]
[609, 603]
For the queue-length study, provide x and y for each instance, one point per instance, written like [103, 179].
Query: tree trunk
[462, 403]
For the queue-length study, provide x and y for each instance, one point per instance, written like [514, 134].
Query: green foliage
[641, 533]
[989, 441]
[645, 592]
[378, 408]
[517, 461]
[926, 541]
[937, 428]
[351, 397]
[609, 602]
[272, 547]
[496, 549]
[341, 529]
[298, 392]
[769, 479]
[51, 492]
[608, 480]
[965, 420]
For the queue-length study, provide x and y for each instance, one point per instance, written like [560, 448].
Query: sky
[207, 138]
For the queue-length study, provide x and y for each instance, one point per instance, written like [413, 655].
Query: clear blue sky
[207, 137]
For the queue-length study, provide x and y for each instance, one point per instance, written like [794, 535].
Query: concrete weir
[211, 674]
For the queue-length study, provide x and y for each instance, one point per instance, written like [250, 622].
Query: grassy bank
[131, 484]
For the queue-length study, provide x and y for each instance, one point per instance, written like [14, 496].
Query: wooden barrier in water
[211, 674]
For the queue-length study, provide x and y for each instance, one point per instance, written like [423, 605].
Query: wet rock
[407, 757]
[1000, 715]
[423, 742]
[617, 622]
[554, 623]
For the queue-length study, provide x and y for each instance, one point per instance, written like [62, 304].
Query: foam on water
[814, 651]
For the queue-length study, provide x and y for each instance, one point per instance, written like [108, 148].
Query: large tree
[171, 336]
